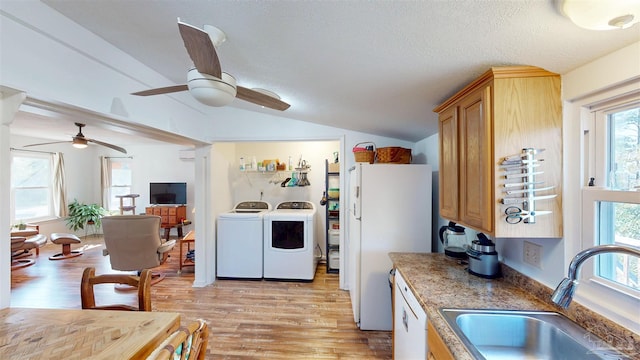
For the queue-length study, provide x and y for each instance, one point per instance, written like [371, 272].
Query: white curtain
[59, 186]
[105, 181]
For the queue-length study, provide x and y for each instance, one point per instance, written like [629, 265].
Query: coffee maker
[454, 240]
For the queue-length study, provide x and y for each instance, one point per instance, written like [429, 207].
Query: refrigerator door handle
[356, 202]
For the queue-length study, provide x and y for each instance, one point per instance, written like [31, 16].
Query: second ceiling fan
[80, 141]
[206, 82]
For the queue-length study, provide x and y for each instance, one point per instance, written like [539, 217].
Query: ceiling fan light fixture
[79, 143]
[210, 90]
[602, 14]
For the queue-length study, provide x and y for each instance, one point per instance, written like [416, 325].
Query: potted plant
[20, 225]
[82, 214]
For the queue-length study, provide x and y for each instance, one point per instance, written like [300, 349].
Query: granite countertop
[439, 281]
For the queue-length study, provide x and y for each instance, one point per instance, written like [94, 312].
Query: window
[618, 224]
[31, 186]
[120, 181]
[623, 150]
[612, 206]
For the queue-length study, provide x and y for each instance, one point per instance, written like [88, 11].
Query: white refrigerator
[389, 211]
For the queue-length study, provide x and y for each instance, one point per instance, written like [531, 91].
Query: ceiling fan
[206, 82]
[80, 141]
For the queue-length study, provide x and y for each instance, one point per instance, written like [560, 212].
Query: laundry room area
[280, 185]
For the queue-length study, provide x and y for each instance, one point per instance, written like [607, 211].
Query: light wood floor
[248, 319]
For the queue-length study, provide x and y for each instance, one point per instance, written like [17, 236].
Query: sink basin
[509, 334]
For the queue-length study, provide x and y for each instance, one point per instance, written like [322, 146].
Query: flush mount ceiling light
[211, 90]
[601, 14]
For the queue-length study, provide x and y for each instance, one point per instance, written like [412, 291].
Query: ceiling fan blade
[261, 99]
[162, 90]
[47, 143]
[200, 49]
[114, 147]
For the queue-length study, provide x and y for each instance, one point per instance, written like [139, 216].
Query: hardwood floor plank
[247, 319]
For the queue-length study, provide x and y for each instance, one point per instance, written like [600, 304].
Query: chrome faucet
[563, 294]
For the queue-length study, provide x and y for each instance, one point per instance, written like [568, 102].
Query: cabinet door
[476, 167]
[181, 214]
[437, 349]
[448, 174]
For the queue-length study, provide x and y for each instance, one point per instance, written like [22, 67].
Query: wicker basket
[361, 154]
[393, 155]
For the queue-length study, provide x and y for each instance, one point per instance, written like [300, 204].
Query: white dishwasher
[409, 323]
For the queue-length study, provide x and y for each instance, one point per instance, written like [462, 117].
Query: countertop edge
[450, 285]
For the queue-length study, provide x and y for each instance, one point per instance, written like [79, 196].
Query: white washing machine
[239, 243]
[290, 247]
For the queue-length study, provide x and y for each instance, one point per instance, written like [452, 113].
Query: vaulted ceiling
[377, 66]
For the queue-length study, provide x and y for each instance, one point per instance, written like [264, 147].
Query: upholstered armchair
[133, 242]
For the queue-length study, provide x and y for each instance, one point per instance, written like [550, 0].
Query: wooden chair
[142, 282]
[188, 342]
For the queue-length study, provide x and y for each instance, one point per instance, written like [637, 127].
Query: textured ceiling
[373, 66]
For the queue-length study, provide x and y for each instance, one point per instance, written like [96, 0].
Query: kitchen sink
[511, 334]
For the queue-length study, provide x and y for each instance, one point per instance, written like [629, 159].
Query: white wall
[161, 163]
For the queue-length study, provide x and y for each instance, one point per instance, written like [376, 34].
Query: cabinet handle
[405, 320]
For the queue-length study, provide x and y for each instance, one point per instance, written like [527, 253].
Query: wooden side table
[167, 230]
[188, 239]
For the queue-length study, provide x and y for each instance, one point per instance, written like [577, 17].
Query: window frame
[591, 198]
[50, 208]
[112, 187]
[602, 295]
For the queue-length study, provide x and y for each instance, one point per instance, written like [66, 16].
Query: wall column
[10, 101]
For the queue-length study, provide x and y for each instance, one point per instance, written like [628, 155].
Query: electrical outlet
[532, 254]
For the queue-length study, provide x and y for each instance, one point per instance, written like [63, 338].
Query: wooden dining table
[82, 334]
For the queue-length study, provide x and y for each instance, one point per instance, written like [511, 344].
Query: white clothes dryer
[290, 248]
[239, 240]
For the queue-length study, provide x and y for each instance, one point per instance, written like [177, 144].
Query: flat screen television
[170, 193]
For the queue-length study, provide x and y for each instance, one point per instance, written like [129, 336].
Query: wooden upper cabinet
[448, 174]
[476, 186]
[497, 115]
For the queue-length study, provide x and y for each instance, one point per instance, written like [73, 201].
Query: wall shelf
[332, 212]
